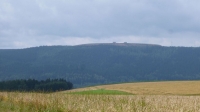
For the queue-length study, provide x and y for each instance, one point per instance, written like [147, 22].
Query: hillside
[93, 64]
[151, 88]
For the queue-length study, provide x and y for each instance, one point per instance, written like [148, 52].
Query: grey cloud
[95, 18]
[39, 19]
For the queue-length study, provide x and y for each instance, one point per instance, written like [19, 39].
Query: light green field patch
[101, 92]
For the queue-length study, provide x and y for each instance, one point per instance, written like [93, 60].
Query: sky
[31, 23]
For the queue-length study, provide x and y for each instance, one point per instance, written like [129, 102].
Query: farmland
[139, 100]
[157, 88]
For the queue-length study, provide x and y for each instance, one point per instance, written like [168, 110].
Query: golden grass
[59, 102]
[154, 88]
[150, 97]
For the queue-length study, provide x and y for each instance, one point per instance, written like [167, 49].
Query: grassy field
[101, 99]
[100, 92]
[153, 88]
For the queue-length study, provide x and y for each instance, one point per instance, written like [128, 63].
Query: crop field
[94, 99]
[154, 88]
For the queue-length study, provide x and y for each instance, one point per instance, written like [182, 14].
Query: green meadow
[101, 92]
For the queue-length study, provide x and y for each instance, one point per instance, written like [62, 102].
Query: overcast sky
[29, 23]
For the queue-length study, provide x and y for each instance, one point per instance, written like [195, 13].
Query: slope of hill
[93, 64]
[151, 88]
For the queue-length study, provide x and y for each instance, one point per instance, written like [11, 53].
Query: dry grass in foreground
[154, 88]
[175, 96]
[60, 102]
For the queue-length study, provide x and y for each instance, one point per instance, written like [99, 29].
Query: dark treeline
[48, 85]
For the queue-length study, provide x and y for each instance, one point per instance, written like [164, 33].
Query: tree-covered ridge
[102, 63]
[48, 85]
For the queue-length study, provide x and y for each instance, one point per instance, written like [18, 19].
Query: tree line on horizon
[48, 85]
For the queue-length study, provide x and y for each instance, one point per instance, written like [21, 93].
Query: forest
[94, 64]
[48, 85]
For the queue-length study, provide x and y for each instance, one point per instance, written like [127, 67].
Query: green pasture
[101, 92]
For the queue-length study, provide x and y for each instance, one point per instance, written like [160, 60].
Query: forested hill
[92, 64]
